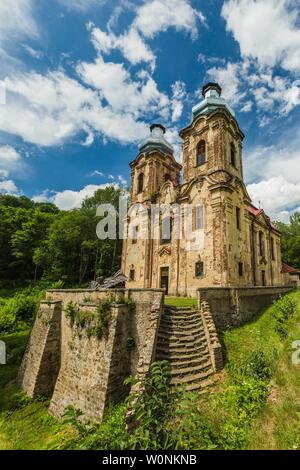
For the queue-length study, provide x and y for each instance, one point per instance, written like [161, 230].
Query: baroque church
[230, 243]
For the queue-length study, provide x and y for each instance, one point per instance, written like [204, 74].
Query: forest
[40, 244]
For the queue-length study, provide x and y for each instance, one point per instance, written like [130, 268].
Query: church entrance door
[164, 279]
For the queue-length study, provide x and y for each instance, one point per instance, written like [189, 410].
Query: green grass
[180, 302]
[277, 425]
[25, 424]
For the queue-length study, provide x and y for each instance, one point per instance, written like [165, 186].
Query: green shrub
[284, 309]
[95, 324]
[152, 409]
[111, 434]
[256, 365]
[18, 311]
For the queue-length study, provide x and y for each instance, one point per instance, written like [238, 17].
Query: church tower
[154, 168]
[213, 141]
[213, 185]
[226, 241]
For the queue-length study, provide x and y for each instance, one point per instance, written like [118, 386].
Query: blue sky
[81, 80]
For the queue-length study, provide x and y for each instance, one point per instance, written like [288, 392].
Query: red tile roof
[289, 270]
[256, 212]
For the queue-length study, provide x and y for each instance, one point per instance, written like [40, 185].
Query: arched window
[201, 153]
[232, 154]
[140, 183]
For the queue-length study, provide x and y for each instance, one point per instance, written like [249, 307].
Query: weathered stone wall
[236, 306]
[41, 362]
[77, 368]
[214, 345]
[144, 324]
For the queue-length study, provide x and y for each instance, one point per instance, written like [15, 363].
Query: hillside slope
[255, 404]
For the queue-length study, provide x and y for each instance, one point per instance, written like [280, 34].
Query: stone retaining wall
[237, 306]
[214, 345]
[81, 370]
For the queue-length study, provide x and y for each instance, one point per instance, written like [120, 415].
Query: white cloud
[33, 52]
[16, 22]
[114, 83]
[277, 91]
[266, 30]
[131, 44]
[16, 19]
[179, 95]
[244, 84]
[229, 79]
[122, 181]
[49, 110]
[69, 199]
[10, 159]
[277, 196]
[4, 174]
[81, 5]
[277, 160]
[152, 17]
[96, 173]
[8, 187]
[156, 16]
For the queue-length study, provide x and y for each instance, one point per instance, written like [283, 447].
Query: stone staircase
[182, 340]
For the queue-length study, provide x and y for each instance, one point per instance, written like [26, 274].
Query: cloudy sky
[81, 80]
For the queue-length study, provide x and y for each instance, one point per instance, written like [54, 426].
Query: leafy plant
[152, 405]
[284, 310]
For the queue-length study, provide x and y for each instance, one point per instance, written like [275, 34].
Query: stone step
[178, 309]
[171, 357]
[177, 351]
[190, 314]
[169, 321]
[200, 336]
[188, 329]
[191, 344]
[181, 322]
[203, 384]
[187, 371]
[183, 313]
[191, 362]
[189, 379]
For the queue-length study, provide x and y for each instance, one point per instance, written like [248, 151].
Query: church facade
[228, 241]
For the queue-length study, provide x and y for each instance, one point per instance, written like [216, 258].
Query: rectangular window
[166, 230]
[135, 235]
[199, 269]
[238, 218]
[132, 275]
[241, 269]
[272, 249]
[199, 222]
[261, 244]
[263, 278]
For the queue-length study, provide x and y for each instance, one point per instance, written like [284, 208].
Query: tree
[291, 240]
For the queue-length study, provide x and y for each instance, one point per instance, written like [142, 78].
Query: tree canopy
[291, 240]
[40, 242]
